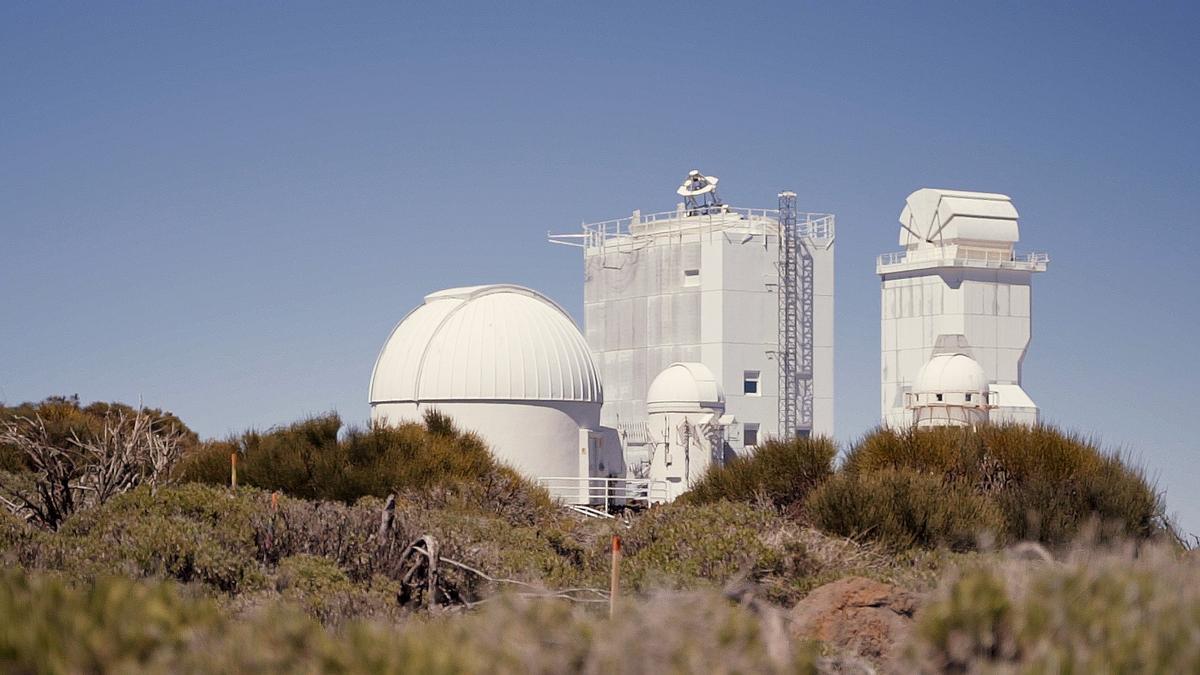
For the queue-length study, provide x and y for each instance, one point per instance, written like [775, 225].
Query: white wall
[681, 460]
[640, 316]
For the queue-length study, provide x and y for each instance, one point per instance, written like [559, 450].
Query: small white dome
[950, 373]
[496, 342]
[685, 387]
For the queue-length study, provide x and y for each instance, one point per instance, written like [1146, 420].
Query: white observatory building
[507, 363]
[710, 285]
[955, 312]
[686, 426]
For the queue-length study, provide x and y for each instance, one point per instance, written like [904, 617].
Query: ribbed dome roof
[496, 342]
[685, 387]
[950, 372]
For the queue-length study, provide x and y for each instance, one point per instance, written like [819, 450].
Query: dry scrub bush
[1129, 610]
[780, 472]
[61, 476]
[122, 626]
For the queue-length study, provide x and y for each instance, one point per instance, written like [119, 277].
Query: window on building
[968, 398]
[752, 383]
[691, 277]
[750, 434]
[939, 397]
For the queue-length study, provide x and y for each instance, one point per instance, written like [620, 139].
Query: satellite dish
[697, 184]
[699, 194]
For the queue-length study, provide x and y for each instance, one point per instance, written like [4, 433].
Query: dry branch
[129, 450]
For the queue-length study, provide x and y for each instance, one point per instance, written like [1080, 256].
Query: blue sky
[222, 209]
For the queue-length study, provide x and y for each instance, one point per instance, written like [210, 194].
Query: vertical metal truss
[805, 385]
[795, 323]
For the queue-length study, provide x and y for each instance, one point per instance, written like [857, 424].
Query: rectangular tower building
[702, 284]
[957, 277]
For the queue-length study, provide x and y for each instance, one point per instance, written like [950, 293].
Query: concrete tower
[957, 279]
[701, 284]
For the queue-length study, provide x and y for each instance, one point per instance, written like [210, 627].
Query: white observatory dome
[685, 387]
[950, 373]
[497, 342]
[951, 389]
[503, 361]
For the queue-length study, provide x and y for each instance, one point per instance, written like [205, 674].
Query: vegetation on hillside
[294, 570]
[434, 463]
[781, 473]
[948, 487]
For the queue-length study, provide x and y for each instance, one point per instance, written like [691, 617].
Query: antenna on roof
[699, 194]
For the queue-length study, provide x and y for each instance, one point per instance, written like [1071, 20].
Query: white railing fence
[971, 257]
[604, 493]
[598, 234]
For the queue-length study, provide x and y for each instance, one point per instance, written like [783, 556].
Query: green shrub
[190, 533]
[902, 508]
[118, 625]
[113, 625]
[685, 546]
[435, 463]
[1048, 485]
[1095, 612]
[781, 472]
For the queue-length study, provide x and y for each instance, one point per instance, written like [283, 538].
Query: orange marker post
[614, 587]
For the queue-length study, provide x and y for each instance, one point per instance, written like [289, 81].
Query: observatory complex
[955, 312]
[744, 295]
[708, 329]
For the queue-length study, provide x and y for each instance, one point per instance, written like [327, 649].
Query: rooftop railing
[702, 220]
[967, 257]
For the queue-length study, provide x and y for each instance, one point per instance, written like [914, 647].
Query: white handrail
[577, 490]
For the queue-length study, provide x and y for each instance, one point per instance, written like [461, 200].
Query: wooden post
[386, 517]
[271, 523]
[614, 586]
[435, 559]
[233, 471]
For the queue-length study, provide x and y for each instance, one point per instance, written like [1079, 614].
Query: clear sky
[222, 209]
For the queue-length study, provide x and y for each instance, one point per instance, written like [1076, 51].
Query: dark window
[751, 379]
[750, 437]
